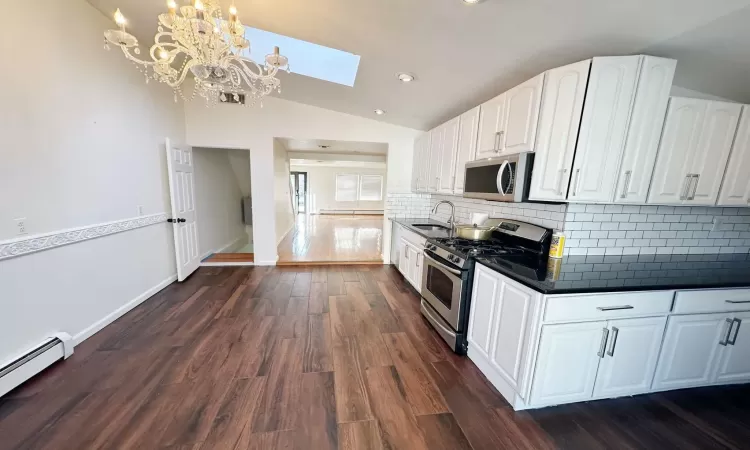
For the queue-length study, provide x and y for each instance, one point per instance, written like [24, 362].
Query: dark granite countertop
[585, 274]
[409, 222]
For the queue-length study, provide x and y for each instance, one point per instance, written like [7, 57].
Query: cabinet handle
[736, 331]
[734, 302]
[626, 184]
[685, 186]
[498, 135]
[696, 177]
[725, 339]
[575, 182]
[603, 345]
[613, 308]
[615, 333]
[561, 182]
[417, 261]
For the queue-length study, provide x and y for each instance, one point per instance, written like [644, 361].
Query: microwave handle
[499, 180]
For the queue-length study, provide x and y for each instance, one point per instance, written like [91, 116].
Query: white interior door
[182, 197]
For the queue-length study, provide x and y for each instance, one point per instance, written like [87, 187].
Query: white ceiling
[465, 54]
[342, 147]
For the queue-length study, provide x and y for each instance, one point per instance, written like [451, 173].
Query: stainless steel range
[448, 272]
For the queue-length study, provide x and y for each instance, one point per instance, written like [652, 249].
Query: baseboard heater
[13, 374]
[351, 211]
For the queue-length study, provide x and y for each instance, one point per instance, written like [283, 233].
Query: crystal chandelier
[195, 39]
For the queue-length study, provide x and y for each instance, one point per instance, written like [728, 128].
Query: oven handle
[441, 265]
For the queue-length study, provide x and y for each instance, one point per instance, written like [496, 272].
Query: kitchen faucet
[452, 219]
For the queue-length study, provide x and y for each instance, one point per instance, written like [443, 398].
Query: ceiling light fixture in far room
[405, 77]
[379, 112]
[195, 38]
[471, 2]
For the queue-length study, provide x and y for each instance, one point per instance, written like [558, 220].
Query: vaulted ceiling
[464, 54]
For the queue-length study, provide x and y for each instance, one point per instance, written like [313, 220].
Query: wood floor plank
[335, 283]
[420, 390]
[343, 317]
[385, 319]
[319, 275]
[370, 342]
[317, 352]
[231, 306]
[398, 425]
[442, 432]
[363, 435]
[318, 303]
[352, 402]
[235, 413]
[430, 346]
[280, 401]
[258, 337]
[273, 440]
[355, 296]
[301, 286]
[317, 415]
[296, 306]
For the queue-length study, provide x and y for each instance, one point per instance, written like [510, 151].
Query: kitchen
[649, 193]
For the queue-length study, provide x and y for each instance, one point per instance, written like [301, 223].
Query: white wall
[82, 142]
[218, 199]
[234, 126]
[322, 187]
[281, 191]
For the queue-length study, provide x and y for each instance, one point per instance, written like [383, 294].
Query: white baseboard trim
[266, 263]
[119, 312]
[228, 248]
[224, 264]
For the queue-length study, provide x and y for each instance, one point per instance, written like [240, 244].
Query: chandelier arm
[129, 56]
[241, 74]
[184, 73]
[241, 61]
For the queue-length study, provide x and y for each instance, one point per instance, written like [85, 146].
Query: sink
[430, 227]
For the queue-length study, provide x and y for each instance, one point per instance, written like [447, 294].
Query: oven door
[441, 288]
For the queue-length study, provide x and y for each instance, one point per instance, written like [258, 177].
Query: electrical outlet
[21, 225]
[717, 223]
[140, 210]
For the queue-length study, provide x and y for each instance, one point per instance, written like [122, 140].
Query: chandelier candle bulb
[172, 7]
[120, 19]
[199, 9]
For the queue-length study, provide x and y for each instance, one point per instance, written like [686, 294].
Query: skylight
[305, 58]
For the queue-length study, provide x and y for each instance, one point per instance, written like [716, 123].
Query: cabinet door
[679, 141]
[567, 362]
[467, 146]
[417, 275]
[513, 307]
[734, 364]
[491, 120]
[436, 150]
[710, 159]
[418, 161]
[604, 125]
[522, 105]
[630, 359]
[482, 311]
[403, 258]
[644, 131]
[424, 162]
[449, 148]
[559, 119]
[690, 350]
[735, 190]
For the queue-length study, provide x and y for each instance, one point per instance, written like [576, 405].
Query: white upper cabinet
[735, 191]
[629, 361]
[467, 145]
[433, 158]
[693, 152]
[644, 131]
[604, 126]
[491, 122]
[448, 156]
[418, 174]
[714, 145]
[559, 120]
[679, 142]
[522, 105]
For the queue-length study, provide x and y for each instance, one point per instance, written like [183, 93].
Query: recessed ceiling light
[471, 2]
[405, 77]
[379, 112]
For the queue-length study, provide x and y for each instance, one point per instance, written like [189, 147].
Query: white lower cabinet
[537, 357]
[567, 362]
[629, 360]
[410, 255]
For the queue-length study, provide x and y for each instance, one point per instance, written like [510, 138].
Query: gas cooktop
[467, 247]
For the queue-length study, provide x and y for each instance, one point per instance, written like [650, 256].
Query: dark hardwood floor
[319, 358]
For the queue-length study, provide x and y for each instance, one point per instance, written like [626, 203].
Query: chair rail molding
[45, 241]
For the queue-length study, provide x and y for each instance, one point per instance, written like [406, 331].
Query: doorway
[298, 182]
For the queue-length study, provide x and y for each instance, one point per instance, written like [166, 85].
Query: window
[346, 188]
[371, 188]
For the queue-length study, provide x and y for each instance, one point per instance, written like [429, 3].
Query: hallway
[333, 239]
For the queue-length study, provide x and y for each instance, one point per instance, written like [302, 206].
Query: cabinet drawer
[713, 300]
[606, 306]
[413, 237]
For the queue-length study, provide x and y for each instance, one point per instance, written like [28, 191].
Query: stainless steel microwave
[502, 178]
